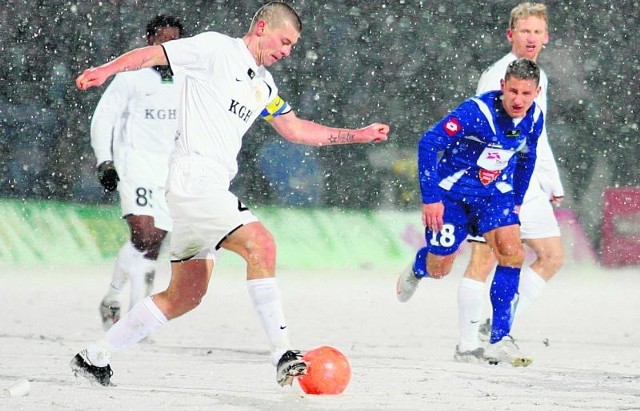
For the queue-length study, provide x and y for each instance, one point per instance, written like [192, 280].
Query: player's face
[276, 43]
[518, 95]
[528, 36]
[164, 34]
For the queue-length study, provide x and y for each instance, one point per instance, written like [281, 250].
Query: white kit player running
[539, 228]
[227, 87]
[133, 132]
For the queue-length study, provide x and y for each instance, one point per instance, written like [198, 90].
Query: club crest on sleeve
[452, 127]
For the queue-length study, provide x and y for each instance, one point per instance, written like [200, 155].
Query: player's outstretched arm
[307, 132]
[133, 60]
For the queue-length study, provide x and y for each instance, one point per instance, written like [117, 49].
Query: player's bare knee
[261, 251]
[551, 263]
[176, 307]
[511, 256]
[439, 269]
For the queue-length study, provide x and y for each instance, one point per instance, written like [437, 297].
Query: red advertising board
[620, 242]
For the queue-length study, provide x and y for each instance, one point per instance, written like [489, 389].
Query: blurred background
[406, 63]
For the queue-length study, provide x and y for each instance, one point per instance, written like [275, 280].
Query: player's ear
[261, 27]
[510, 35]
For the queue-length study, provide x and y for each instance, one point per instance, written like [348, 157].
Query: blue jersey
[484, 151]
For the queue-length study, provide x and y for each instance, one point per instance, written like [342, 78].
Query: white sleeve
[192, 54]
[490, 78]
[488, 81]
[108, 112]
[546, 168]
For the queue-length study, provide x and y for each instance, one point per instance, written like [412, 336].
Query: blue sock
[420, 263]
[504, 298]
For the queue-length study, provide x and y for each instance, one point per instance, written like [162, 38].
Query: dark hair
[524, 69]
[163, 20]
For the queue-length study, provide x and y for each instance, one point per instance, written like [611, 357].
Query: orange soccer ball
[328, 371]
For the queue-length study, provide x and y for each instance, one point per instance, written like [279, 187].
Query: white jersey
[546, 177]
[225, 91]
[135, 124]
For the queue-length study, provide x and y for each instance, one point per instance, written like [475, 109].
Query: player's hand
[374, 133]
[432, 216]
[92, 77]
[108, 176]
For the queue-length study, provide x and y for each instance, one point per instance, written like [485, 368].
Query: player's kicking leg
[265, 296]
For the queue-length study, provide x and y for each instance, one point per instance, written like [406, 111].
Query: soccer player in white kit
[227, 87]
[133, 131]
[539, 230]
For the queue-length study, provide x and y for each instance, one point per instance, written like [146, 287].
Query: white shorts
[144, 198]
[537, 219]
[203, 209]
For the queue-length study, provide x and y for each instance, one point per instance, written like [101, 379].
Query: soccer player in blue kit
[474, 169]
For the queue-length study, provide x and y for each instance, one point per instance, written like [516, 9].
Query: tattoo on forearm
[133, 68]
[342, 137]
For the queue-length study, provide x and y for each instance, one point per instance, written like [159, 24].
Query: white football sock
[531, 285]
[138, 271]
[127, 256]
[99, 354]
[471, 294]
[265, 297]
[141, 321]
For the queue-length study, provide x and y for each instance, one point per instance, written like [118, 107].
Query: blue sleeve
[526, 162]
[428, 148]
[443, 135]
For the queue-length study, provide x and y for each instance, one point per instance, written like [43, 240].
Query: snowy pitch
[583, 334]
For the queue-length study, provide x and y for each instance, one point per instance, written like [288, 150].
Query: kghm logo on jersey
[240, 110]
[160, 114]
[452, 127]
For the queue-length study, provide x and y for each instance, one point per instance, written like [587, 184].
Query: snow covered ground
[401, 354]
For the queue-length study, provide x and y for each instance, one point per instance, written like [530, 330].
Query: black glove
[108, 175]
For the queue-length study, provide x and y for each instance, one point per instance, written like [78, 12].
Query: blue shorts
[470, 215]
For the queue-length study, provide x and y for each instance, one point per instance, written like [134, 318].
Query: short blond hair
[524, 10]
[277, 13]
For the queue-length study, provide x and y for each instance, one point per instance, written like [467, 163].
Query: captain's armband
[275, 108]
